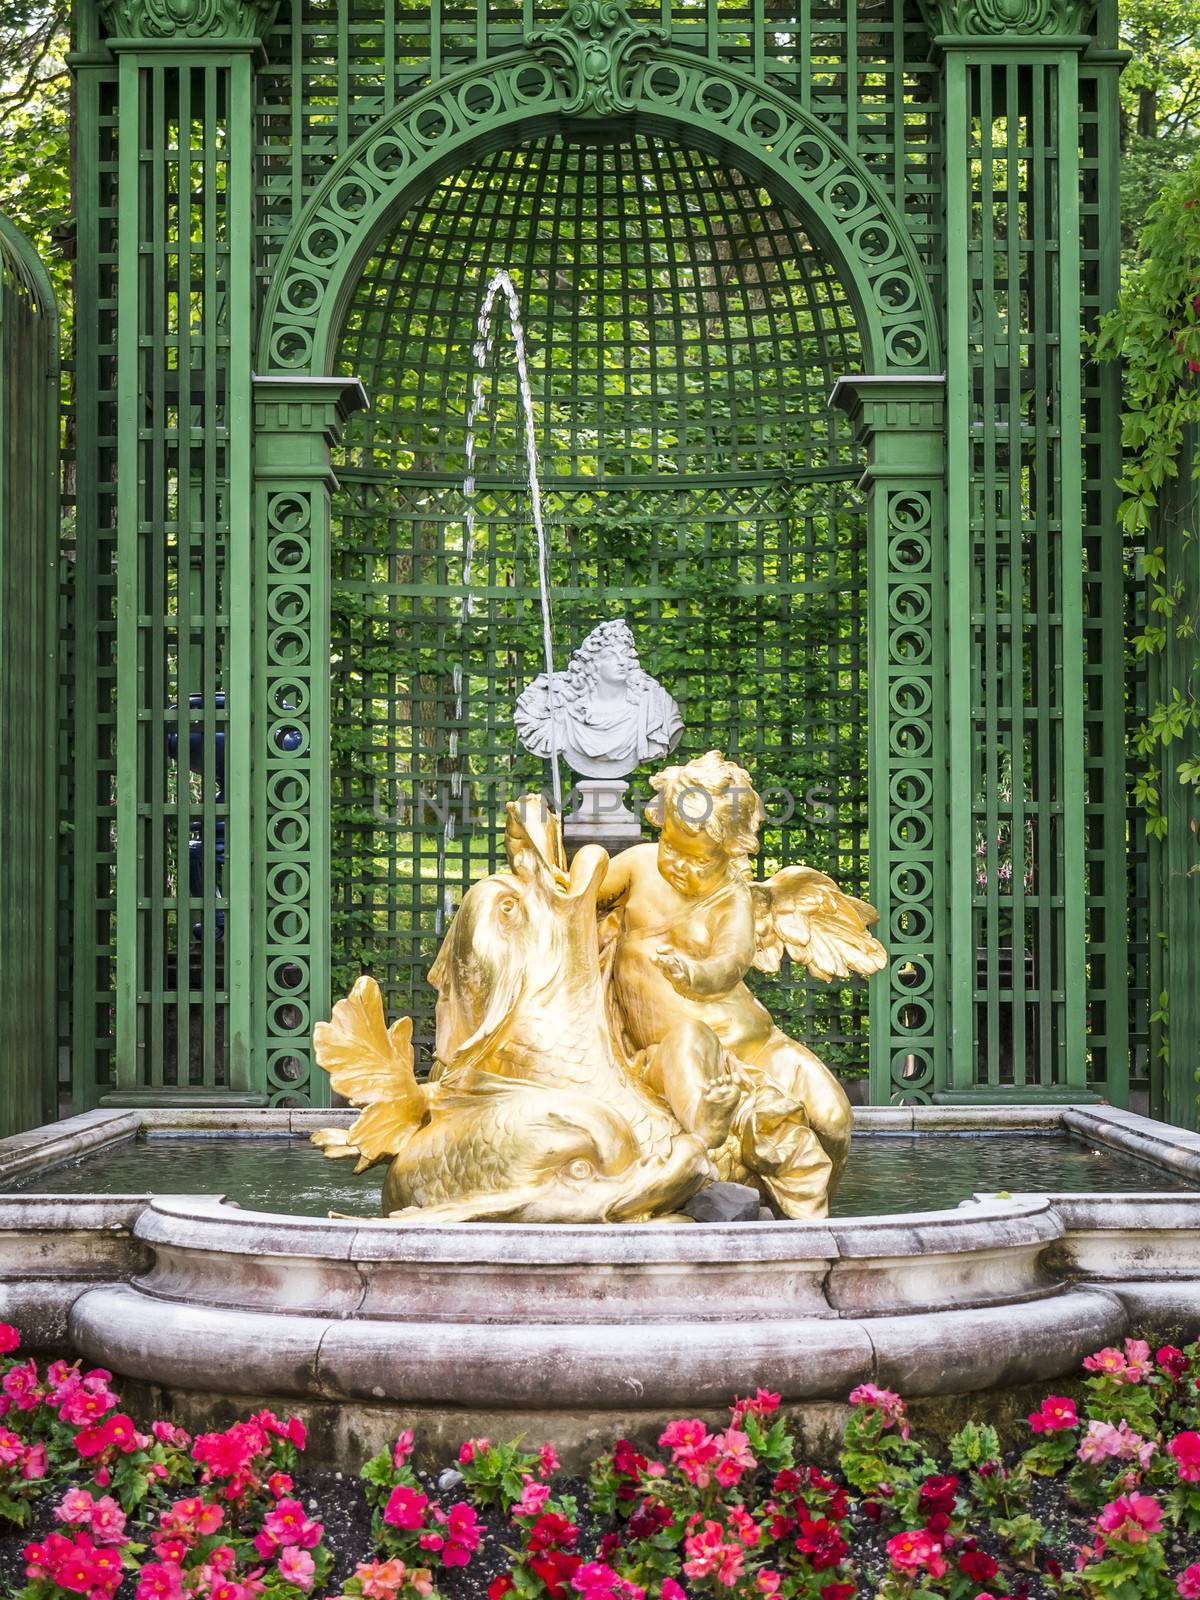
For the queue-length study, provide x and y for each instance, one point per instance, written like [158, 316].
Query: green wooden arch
[552, 81]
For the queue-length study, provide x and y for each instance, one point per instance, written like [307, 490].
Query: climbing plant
[1155, 332]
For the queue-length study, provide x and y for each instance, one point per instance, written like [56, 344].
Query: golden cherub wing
[372, 1066]
[803, 912]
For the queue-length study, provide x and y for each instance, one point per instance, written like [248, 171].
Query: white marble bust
[607, 714]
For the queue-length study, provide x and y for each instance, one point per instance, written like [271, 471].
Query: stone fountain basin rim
[205, 1222]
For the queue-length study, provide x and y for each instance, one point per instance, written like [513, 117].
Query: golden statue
[599, 1057]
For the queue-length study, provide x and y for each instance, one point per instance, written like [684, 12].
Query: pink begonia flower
[533, 1499]
[167, 1433]
[760, 1404]
[381, 1580]
[671, 1590]
[403, 1447]
[1102, 1442]
[708, 1551]
[36, 1462]
[767, 1581]
[463, 1534]
[289, 1524]
[1184, 1449]
[472, 1448]
[298, 1567]
[1137, 1360]
[107, 1521]
[1131, 1517]
[12, 1448]
[75, 1507]
[910, 1552]
[405, 1508]
[1055, 1413]
[1188, 1582]
[735, 1457]
[548, 1462]
[891, 1407]
[20, 1384]
[161, 1580]
[1109, 1361]
[693, 1449]
[743, 1526]
[10, 1339]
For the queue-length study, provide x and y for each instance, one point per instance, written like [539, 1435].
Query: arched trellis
[553, 82]
[675, 94]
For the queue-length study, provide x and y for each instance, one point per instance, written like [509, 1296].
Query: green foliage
[1155, 332]
[35, 113]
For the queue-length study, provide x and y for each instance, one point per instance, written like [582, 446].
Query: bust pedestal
[601, 817]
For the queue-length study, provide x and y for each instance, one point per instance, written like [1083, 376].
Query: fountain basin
[360, 1317]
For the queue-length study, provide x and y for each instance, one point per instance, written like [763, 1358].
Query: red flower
[838, 1591]
[556, 1569]
[499, 1586]
[821, 1542]
[937, 1496]
[978, 1565]
[1169, 1358]
[552, 1531]
[649, 1518]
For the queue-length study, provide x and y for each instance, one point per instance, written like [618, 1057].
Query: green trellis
[804, 290]
[29, 377]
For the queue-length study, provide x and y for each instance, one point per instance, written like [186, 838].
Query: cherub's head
[709, 817]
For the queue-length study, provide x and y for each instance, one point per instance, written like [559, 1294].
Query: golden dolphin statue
[529, 1115]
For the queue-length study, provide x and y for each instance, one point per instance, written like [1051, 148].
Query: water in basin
[886, 1173]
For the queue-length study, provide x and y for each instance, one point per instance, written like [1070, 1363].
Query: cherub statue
[683, 924]
[606, 714]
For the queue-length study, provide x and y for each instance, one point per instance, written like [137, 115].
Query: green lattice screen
[684, 339]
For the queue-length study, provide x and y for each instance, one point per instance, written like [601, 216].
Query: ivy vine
[1155, 333]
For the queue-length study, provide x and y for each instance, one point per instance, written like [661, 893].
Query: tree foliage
[1160, 101]
[35, 118]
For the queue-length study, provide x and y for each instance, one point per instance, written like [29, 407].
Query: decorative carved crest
[984, 18]
[591, 51]
[188, 19]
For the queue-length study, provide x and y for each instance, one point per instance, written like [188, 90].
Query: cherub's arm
[732, 935]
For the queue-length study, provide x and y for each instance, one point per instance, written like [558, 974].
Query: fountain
[595, 1071]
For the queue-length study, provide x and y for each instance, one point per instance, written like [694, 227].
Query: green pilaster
[29, 372]
[297, 420]
[184, 568]
[900, 421]
[1179, 853]
[1015, 563]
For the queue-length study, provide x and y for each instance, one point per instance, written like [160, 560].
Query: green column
[1178, 856]
[1015, 558]
[296, 422]
[900, 421]
[185, 254]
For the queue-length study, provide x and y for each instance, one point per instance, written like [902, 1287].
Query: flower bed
[1103, 1503]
